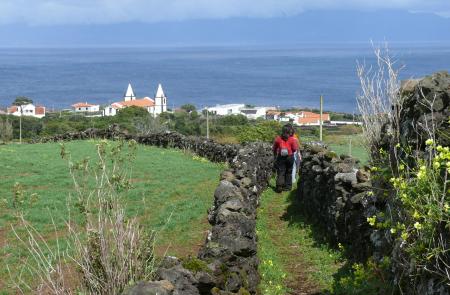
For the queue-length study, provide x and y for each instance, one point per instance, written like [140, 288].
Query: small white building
[29, 110]
[226, 109]
[85, 107]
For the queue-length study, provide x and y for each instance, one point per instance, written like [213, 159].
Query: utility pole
[207, 123]
[321, 121]
[350, 147]
[20, 124]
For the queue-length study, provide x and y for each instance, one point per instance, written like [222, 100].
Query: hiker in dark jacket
[284, 148]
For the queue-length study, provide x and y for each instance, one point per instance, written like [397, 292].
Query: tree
[188, 107]
[6, 130]
[22, 100]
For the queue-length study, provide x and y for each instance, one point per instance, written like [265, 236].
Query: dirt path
[298, 269]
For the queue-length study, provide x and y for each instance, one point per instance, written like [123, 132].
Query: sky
[38, 22]
[61, 12]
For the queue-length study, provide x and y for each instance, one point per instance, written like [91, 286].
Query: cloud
[48, 12]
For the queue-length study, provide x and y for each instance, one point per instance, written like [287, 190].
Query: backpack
[284, 148]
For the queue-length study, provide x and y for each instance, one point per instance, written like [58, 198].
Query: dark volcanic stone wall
[335, 194]
[209, 149]
[227, 263]
[426, 105]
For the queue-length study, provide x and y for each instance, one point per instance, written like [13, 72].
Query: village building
[154, 106]
[29, 110]
[255, 112]
[85, 107]
[300, 118]
[226, 109]
[273, 115]
[311, 119]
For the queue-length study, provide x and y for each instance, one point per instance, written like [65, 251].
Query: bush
[6, 130]
[265, 131]
[421, 225]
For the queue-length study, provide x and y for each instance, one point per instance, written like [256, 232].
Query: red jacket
[291, 144]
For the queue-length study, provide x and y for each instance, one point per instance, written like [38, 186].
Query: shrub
[264, 131]
[6, 130]
[421, 225]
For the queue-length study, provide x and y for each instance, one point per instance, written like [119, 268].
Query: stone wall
[339, 196]
[203, 147]
[426, 106]
[227, 263]
[334, 193]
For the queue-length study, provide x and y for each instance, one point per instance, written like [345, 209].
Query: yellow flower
[416, 215]
[393, 230]
[447, 207]
[405, 236]
[372, 220]
[436, 165]
[429, 142]
[417, 226]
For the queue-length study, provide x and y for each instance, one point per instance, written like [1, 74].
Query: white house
[226, 109]
[154, 106]
[85, 107]
[255, 112]
[27, 110]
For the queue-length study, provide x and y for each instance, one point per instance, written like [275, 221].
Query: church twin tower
[160, 100]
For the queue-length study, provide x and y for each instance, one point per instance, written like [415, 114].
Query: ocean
[284, 76]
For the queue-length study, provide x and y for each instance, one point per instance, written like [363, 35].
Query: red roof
[40, 110]
[12, 109]
[312, 118]
[143, 102]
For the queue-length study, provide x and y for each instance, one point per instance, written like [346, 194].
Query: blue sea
[285, 76]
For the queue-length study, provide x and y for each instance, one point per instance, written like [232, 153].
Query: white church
[154, 106]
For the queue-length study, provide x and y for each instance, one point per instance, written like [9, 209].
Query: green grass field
[344, 144]
[165, 183]
[294, 260]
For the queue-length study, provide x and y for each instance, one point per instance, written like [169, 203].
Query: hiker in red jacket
[284, 148]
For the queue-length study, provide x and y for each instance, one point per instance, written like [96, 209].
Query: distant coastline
[205, 76]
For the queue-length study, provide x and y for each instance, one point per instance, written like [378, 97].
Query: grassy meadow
[170, 193]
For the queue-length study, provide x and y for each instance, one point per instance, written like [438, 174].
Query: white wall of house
[27, 110]
[109, 111]
[93, 108]
[254, 113]
[226, 109]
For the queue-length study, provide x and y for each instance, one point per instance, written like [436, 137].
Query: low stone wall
[335, 193]
[227, 263]
[203, 147]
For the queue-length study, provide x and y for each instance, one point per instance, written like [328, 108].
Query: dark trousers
[284, 172]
